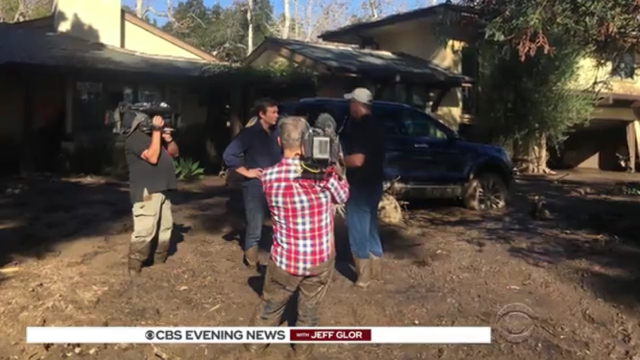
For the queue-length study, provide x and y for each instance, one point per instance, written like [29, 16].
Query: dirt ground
[64, 242]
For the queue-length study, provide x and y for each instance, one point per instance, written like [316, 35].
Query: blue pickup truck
[426, 158]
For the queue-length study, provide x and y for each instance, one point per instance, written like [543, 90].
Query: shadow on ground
[39, 212]
[591, 222]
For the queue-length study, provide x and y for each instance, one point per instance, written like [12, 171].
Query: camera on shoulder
[321, 148]
[129, 117]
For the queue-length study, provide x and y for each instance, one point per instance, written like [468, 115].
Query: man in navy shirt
[253, 150]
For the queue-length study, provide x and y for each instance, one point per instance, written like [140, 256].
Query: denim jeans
[362, 220]
[255, 207]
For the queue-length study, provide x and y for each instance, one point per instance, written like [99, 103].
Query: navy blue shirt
[366, 136]
[254, 147]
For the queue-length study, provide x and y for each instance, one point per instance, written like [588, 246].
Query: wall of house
[414, 38]
[590, 72]
[95, 20]
[141, 40]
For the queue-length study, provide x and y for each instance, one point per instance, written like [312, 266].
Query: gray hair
[291, 131]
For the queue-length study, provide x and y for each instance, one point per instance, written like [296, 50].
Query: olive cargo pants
[278, 288]
[150, 217]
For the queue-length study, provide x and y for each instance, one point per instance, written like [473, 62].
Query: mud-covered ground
[64, 243]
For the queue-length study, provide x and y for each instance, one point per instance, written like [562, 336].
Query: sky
[160, 5]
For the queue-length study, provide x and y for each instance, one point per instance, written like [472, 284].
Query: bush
[187, 169]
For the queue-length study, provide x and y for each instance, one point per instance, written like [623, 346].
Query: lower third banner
[229, 335]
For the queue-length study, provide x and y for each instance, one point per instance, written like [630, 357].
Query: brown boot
[376, 267]
[363, 272]
[251, 257]
[159, 258]
[135, 266]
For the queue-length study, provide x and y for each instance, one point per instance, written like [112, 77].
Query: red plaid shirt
[302, 216]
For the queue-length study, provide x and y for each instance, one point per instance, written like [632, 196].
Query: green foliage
[529, 53]
[521, 98]
[248, 74]
[187, 169]
[604, 28]
[219, 30]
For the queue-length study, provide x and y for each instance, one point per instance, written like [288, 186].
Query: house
[393, 76]
[66, 72]
[614, 124]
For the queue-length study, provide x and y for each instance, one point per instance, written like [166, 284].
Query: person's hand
[157, 122]
[254, 173]
[166, 136]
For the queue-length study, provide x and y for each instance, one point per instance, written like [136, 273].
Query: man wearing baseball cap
[364, 158]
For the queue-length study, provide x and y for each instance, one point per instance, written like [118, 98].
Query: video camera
[321, 148]
[128, 117]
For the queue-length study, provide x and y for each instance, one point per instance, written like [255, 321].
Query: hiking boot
[363, 272]
[135, 266]
[376, 267]
[251, 257]
[159, 258]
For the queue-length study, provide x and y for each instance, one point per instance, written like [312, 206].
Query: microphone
[326, 123]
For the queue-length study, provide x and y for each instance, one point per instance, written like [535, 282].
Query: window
[624, 67]
[470, 68]
[149, 94]
[89, 108]
[411, 123]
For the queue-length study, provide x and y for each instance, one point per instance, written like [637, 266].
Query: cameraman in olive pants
[151, 176]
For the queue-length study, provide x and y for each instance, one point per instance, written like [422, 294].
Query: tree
[21, 10]
[603, 28]
[527, 104]
[529, 54]
[221, 31]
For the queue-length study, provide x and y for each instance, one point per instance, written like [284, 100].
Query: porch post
[68, 106]
[27, 151]
[235, 102]
[631, 144]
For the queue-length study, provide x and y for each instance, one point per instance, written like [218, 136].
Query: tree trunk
[531, 155]
[296, 20]
[250, 26]
[139, 11]
[287, 20]
[372, 8]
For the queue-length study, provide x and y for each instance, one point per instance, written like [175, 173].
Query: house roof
[47, 23]
[394, 19]
[20, 45]
[370, 63]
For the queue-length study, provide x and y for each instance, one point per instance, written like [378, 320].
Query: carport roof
[371, 63]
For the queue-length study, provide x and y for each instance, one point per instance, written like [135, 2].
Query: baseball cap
[361, 95]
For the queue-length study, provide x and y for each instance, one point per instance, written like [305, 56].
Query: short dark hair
[261, 105]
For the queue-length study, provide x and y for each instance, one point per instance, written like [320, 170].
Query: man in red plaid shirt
[303, 251]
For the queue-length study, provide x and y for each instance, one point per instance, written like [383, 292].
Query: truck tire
[485, 191]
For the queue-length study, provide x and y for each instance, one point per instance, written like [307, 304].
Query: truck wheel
[486, 191]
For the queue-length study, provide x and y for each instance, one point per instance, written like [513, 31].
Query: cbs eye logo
[515, 322]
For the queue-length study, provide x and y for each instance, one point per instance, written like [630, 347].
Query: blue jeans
[255, 207]
[362, 221]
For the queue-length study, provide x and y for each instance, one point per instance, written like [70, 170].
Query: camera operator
[364, 159]
[253, 150]
[303, 252]
[151, 175]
